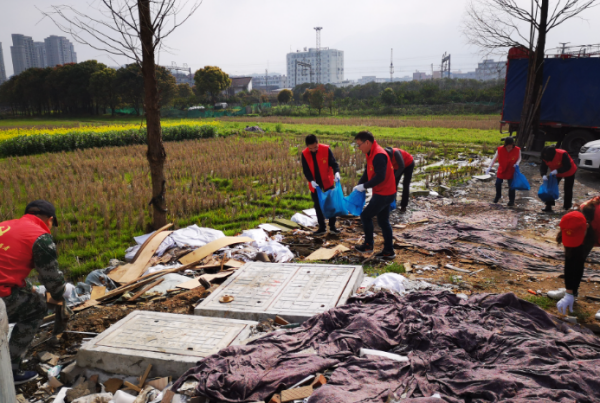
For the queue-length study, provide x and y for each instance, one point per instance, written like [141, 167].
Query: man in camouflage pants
[26, 244]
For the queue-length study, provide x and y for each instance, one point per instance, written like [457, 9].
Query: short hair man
[579, 233]
[404, 165]
[378, 176]
[26, 244]
[320, 170]
[561, 164]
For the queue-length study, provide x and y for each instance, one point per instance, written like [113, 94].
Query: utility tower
[392, 66]
[445, 65]
[318, 29]
[564, 46]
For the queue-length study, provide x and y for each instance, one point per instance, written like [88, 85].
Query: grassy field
[229, 183]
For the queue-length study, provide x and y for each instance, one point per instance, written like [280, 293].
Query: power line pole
[445, 65]
[564, 45]
[267, 80]
[392, 66]
[318, 29]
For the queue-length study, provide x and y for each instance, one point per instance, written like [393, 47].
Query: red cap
[573, 227]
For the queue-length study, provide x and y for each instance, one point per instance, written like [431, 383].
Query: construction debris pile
[491, 347]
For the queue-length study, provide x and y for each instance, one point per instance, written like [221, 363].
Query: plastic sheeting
[280, 253]
[304, 220]
[389, 281]
[258, 234]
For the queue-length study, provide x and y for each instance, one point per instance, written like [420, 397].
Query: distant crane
[392, 66]
[318, 29]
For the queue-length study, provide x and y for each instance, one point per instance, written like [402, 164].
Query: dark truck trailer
[570, 107]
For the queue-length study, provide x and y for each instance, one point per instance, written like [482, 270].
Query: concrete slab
[172, 343]
[293, 291]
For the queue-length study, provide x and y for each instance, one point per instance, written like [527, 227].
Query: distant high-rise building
[490, 70]
[40, 54]
[22, 53]
[2, 69]
[332, 66]
[59, 50]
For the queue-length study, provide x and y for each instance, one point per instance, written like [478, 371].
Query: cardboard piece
[98, 291]
[234, 263]
[296, 394]
[160, 383]
[212, 247]
[132, 271]
[113, 384]
[168, 397]
[326, 254]
[195, 282]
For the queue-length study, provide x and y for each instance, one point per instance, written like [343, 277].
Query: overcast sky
[244, 37]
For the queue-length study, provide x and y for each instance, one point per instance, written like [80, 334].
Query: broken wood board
[147, 241]
[132, 271]
[234, 263]
[286, 223]
[296, 394]
[97, 291]
[146, 288]
[160, 383]
[194, 283]
[326, 254]
[212, 247]
[113, 384]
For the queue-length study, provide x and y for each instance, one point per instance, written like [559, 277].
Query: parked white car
[589, 156]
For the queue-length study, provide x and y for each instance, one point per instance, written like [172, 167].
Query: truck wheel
[576, 139]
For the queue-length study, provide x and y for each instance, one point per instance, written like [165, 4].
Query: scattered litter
[226, 298]
[369, 352]
[304, 220]
[326, 254]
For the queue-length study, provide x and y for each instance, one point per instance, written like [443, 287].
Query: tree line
[89, 88]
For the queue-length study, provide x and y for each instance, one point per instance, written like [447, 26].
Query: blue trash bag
[332, 201]
[519, 181]
[355, 202]
[549, 189]
[393, 206]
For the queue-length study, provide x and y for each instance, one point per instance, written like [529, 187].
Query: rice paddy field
[232, 182]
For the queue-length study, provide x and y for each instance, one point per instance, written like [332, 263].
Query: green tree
[184, 97]
[103, 86]
[316, 98]
[285, 96]
[388, 96]
[130, 85]
[211, 80]
[330, 101]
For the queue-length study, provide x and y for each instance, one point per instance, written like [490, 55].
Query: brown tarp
[487, 349]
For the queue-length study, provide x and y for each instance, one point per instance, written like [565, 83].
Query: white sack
[304, 220]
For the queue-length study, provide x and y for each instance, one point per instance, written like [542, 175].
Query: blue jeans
[379, 206]
[511, 192]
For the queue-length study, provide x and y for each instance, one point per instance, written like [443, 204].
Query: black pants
[407, 173]
[379, 206]
[511, 192]
[568, 196]
[320, 216]
[575, 260]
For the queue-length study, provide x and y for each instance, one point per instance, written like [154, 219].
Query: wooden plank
[113, 384]
[296, 394]
[97, 291]
[190, 284]
[132, 386]
[326, 254]
[129, 272]
[286, 223]
[146, 288]
[194, 283]
[234, 263]
[212, 247]
[147, 241]
[143, 379]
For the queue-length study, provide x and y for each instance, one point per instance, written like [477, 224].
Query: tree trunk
[156, 151]
[530, 116]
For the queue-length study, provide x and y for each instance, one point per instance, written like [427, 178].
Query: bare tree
[495, 25]
[135, 29]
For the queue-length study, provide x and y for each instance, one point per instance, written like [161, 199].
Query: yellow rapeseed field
[14, 132]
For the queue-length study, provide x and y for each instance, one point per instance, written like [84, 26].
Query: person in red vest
[328, 171]
[26, 244]
[561, 164]
[579, 233]
[403, 164]
[379, 176]
[508, 157]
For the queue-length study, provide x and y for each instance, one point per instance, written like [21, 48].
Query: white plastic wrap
[304, 220]
[259, 235]
[389, 281]
[280, 253]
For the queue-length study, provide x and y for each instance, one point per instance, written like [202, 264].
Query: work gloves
[554, 172]
[487, 171]
[516, 165]
[360, 188]
[544, 178]
[566, 302]
[314, 184]
[338, 177]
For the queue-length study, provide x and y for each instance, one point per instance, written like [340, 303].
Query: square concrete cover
[172, 343]
[294, 291]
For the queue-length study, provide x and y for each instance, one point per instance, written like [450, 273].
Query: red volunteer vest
[16, 250]
[408, 159]
[596, 222]
[388, 186]
[507, 161]
[557, 163]
[325, 170]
